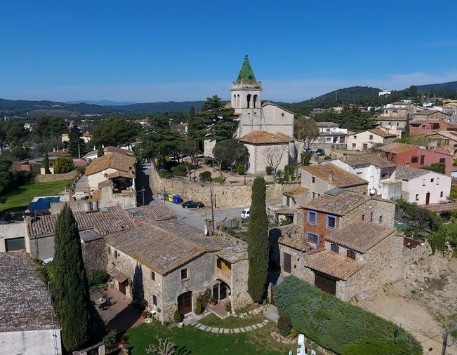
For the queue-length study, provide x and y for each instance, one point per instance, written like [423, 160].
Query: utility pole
[212, 207]
[445, 336]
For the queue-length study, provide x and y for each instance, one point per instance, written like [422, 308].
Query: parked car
[308, 150]
[245, 213]
[193, 204]
[320, 152]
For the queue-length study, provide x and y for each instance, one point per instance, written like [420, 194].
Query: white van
[245, 213]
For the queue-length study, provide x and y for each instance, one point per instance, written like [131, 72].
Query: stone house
[414, 156]
[417, 186]
[266, 149]
[394, 117]
[443, 139]
[169, 264]
[370, 167]
[366, 140]
[319, 178]
[345, 240]
[28, 324]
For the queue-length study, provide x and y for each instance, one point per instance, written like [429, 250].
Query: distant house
[367, 139]
[319, 178]
[417, 186]
[330, 133]
[370, 167]
[28, 324]
[266, 149]
[415, 156]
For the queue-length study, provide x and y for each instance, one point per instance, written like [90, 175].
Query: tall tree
[69, 284]
[306, 130]
[258, 247]
[115, 131]
[46, 163]
[76, 145]
[230, 152]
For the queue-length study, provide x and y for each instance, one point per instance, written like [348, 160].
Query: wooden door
[325, 283]
[185, 302]
[287, 263]
[122, 288]
[427, 198]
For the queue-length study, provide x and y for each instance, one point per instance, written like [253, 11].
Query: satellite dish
[372, 191]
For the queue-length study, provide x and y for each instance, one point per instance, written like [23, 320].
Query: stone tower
[246, 92]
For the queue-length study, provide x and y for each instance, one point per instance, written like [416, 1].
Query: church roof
[246, 72]
[264, 137]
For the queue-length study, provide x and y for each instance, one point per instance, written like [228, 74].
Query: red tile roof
[332, 264]
[264, 137]
[334, 175]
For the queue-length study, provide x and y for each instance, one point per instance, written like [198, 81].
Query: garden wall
[56, 177]
[226, 195]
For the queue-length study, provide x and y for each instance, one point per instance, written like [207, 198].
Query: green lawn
[451, 227]
[190, 340]
[22, 196]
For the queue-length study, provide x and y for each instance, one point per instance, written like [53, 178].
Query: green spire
[246, 73]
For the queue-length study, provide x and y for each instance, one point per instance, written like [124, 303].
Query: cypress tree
[46, 163]
[70, 287]
[100, 151]
[258, 246]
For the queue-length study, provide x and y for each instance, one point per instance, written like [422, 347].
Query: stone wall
[373, 210]
[94, 255]
[226, 195]
[239, 288]
[56, 177]
[298, 268]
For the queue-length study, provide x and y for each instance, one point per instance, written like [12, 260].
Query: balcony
[225, 276]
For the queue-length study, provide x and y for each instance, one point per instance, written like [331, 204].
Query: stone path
[230, 330]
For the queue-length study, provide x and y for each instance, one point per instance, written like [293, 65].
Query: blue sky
[147, 51]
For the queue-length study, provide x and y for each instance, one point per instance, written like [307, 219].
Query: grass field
[190, 340]
[21, 197]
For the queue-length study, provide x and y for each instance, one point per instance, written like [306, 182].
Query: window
[423, 182]
[380, 219]
[414, 159]
[331, 222]
[432, 180]
[371, 137]
[115, 253]
[371, 217]
[354, 145]
[437, 181]
[417, 197]
[312, 217]
[335, 248]
[441, 194]
[363, 217]
[154, 300]
[351, 254]
[355, 137]
[313, 179]
[153, 275]
[314, 195]
[312, 238]
[184, 274]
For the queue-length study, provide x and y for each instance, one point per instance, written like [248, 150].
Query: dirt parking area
[424, 303]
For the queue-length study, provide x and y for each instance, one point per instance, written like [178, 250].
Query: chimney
[330, 176]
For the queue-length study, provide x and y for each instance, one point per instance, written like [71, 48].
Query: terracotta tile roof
[117, 150]
[104, 222]
[292, 236]
[446, 134]
[158, 249]
[25, 302]
[397, 148]
[408, 173]
[339, 204]
[381, 133]
[334, 175]
[326, 124]
[361, 161]
[390, 118]
[360, 237]
[103, 184]
[146, 214]
[264, 137]
[233, 254]
[298, 190]
[332, 264]
[118, 173]
[115, 161]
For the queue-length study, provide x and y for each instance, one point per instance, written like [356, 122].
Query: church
[264, 128]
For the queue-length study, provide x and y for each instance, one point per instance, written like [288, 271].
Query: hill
[449, 87]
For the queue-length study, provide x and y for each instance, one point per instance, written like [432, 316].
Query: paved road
[142, 186]
[196, 216]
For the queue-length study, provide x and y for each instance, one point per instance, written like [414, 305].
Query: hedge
[331, 322]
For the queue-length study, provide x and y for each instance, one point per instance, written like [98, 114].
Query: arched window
[248, 100]
[254, 102]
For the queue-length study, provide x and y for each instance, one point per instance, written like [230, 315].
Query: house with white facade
[370, 167]
[419, 186]
[367, 139]
[331, 133]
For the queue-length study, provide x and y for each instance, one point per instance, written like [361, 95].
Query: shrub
[179, 170]
[178, 316]
[219, 179]
[97, 277]
[327, 158]
[204, 298]
[378, 347]
[289, 171]
[228, 306]
[198, 309]
[205, 176]
[110, 339]
[269, 170]
[284, 324]
[331, 322]
[240, 170]
[63, 165]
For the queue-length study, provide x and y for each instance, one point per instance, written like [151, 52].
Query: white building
[367, 139]
[331, 133]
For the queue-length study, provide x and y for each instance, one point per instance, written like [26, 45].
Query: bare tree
[306, 130]
[165, 347]
[273, 155]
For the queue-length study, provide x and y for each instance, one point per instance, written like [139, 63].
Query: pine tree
[258, 246]
[46, 163]
[100, 151]
[70, 288]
